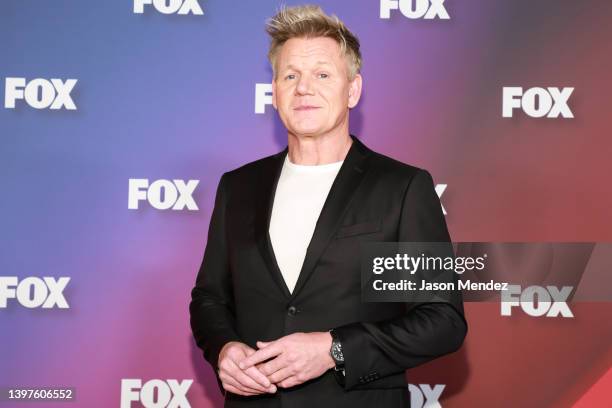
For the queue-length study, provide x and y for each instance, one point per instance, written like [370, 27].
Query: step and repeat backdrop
[120, 116]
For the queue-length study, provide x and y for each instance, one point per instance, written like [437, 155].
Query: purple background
[172, 97]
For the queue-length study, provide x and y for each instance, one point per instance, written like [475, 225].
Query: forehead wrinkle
[318, 50]
[316, 64]
[302, 53]
[308, 50]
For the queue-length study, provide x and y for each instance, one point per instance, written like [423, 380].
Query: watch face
[337, 352]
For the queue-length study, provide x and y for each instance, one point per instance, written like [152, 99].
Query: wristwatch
[336, 351]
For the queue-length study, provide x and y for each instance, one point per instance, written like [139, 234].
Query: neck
[320, 149]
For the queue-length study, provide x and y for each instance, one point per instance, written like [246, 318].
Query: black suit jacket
[240, 293]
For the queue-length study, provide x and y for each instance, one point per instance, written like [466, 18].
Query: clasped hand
[285, 362]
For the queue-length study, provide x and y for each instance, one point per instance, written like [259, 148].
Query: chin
[307, 130]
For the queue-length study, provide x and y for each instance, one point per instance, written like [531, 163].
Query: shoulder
[253, 170]
[397, 172]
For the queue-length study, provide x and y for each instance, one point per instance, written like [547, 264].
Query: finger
[262, 344]
[289, 382]
[244, 379]
[258, 376]
[238, 391]
[272, 366]
[260, 355]
[281, 375]
[227, 379]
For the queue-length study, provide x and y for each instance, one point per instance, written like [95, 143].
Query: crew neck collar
[313, 168]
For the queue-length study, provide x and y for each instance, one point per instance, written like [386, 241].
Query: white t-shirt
[300, 195]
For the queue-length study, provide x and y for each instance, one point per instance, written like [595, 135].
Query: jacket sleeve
[212, 304]
[374, 350]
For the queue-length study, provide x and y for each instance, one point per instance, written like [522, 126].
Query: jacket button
[292, 310]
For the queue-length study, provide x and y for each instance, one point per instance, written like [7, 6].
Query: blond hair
[310, 21]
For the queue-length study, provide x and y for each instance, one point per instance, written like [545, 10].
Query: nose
[304, 86]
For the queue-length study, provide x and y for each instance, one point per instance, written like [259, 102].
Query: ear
[354, 91]
[274, 94]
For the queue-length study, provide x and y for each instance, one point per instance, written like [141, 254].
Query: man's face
[311, 90]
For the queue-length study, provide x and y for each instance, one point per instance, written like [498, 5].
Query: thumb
[263, 344]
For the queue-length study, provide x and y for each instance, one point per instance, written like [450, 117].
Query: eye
[290, 76]
[323, 75]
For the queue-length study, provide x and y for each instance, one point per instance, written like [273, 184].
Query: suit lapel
[345, 184]
[265, 199]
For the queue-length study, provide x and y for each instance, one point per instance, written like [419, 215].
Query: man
[277, 303]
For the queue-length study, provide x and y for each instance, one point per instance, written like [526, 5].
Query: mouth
[305, 108]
